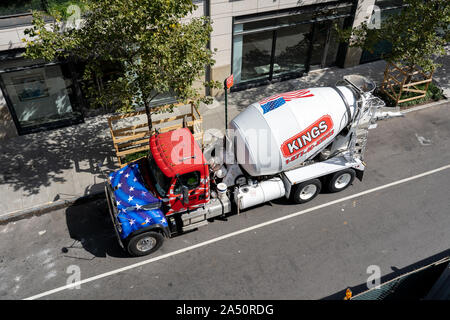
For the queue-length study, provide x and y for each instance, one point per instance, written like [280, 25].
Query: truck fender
[154, 227]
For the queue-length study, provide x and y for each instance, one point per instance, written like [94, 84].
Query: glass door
[325, 44]
[256, 56]
[291, 49]
[334, 44]
[319, 44]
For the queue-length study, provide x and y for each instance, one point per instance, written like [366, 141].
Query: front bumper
[112, 213]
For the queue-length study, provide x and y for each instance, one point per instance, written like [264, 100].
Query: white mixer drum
[282, 131]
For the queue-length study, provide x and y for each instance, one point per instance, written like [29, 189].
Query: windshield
[161, 182]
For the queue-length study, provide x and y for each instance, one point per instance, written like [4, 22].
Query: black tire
[136, 245]
[298, 194]
[333, 183]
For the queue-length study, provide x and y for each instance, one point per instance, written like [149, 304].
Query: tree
[418, 33]
[154, 51]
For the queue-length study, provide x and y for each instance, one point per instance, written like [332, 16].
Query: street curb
[48, 207]
[56, 205]
[424, 106]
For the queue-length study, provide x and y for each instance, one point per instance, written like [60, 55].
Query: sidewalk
[55, 167]
[237, 101]
[214, 116]
[47, 167]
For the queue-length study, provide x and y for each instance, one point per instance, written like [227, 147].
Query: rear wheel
[341, 180]
[144, 243]
[306, 191]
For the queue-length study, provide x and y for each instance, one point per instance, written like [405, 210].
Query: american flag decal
[278, 100]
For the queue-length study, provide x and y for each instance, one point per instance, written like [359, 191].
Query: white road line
[229, 235]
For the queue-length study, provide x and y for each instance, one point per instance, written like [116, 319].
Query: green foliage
[417, 33]
[152, 51]
[134, 156]
[61, 8]
[434, 93]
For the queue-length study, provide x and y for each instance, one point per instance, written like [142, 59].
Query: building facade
[258, 41]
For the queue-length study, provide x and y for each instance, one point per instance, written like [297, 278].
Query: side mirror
[185, 193]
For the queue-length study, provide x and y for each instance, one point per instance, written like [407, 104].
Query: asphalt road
[312, 255]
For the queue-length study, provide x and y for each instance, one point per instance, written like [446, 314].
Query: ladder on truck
[367, 106]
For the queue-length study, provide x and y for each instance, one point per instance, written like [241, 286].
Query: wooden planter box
[400, 79]
[130, 131]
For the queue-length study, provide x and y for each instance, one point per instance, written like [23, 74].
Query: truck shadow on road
[90, 227]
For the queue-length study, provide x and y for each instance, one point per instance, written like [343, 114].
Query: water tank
[282, 131]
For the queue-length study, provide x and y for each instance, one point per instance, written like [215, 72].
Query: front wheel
[145, 243]
[306, 191]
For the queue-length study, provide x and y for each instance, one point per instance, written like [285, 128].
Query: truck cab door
[191, 182]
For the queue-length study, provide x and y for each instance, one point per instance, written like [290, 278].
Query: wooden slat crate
[398, 80]
[130, 133]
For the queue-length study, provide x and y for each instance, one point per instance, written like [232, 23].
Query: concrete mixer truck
[290, 145]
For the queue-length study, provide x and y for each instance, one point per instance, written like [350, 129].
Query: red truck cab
[147, 197]
[180, 164]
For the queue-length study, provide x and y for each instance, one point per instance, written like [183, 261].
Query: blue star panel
[131, 196]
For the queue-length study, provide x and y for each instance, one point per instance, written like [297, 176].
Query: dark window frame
[342, 50]
[42, 5]
[179, 183]
[78, 107]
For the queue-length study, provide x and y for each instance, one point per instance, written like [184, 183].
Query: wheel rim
[308, 191]
[342, 181]
[146, 244]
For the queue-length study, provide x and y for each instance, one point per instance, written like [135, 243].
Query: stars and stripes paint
[278, 100]
[131, 197]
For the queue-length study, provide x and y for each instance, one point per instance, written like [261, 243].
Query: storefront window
[40, 97]
[319, 41]
[286, 43]
[163, 99]
[334, 44]
[325, 44]
[20, 6]
[256, 55]
[291, 50]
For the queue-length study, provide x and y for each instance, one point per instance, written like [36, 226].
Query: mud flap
[359, 174]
